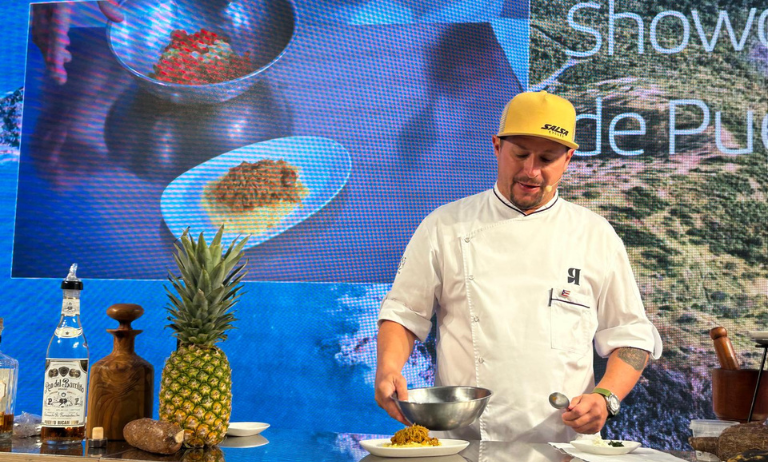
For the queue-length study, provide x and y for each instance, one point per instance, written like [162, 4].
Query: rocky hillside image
[693, 220]
[10, 129]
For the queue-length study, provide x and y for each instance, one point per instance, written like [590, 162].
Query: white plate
[759, 334]
[246, 428]
[450, 458]
[324, 167]
[588, 446]
[243, 441]
[447, 448]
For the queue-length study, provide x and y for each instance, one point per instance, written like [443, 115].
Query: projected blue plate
[323, 165]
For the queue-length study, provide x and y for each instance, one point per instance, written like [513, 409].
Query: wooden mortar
[732, 392]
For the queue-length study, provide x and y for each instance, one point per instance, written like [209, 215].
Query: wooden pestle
[724, 348]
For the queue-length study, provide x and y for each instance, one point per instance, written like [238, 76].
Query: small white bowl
[246, 428]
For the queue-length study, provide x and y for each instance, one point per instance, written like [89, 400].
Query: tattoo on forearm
[635, 357]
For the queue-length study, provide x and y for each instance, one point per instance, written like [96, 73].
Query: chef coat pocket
[571, 325]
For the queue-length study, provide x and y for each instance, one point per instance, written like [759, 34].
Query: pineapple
[196, 386]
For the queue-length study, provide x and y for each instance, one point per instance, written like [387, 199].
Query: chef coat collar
[506, 204]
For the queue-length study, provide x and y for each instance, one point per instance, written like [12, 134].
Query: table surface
[284, 445]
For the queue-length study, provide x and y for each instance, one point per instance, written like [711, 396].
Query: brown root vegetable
[154, 436]
[734, 440]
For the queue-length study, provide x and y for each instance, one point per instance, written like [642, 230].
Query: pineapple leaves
[202, 298]
[217, 275]
[204, 285]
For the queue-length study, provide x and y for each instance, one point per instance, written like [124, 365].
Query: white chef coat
[519, 300]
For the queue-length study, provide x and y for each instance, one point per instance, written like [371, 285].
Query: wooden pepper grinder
[121, 386]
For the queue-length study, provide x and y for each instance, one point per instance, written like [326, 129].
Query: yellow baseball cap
[540, 114]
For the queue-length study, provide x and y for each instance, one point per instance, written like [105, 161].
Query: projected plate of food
[259, 190]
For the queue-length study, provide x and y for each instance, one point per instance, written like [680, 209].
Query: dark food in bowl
[251, 185]
[200, 58]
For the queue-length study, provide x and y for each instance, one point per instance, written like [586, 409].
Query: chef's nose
[531, 166]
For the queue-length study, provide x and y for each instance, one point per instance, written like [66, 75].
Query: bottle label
[66, 381]
[70, 306]
[5, 379]
[68, 332]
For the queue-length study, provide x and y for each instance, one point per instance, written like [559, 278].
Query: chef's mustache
[528, 181]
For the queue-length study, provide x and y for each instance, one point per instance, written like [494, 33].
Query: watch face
[613, 404]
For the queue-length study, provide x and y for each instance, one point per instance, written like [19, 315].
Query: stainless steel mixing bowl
[265, 28]
[444, 408]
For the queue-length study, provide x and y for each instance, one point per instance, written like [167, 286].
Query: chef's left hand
[586, 413]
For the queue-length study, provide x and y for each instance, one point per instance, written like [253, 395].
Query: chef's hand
[387, 383]
[586, 414]
[50, 32]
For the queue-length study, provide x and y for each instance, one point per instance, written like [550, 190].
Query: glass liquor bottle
[9, 376]
[66, 371]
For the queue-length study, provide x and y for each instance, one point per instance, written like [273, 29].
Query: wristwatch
[611, 401]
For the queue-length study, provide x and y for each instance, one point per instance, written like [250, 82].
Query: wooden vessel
[121, 385]
[732, 392]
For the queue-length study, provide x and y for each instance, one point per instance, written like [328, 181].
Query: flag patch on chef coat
[565, 296]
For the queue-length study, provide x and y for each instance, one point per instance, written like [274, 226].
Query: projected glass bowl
[262, 28]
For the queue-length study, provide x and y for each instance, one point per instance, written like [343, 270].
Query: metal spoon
[559, 400]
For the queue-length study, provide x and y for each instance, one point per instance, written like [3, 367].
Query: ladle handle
[726, 355]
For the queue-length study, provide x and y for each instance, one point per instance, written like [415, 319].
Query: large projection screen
[385, 108]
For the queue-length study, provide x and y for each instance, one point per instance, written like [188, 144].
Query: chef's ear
[496, 145]
[568, 156]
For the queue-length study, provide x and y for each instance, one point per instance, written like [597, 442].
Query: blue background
[413, 91]
[303, 353]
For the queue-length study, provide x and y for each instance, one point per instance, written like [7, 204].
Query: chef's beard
[530, 202]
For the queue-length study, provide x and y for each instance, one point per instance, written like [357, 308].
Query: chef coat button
[471, 277]
[481, 360]
[475, 319]
[466, 239]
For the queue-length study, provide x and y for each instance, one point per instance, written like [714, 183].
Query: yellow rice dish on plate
[414, 436]
[253, 197]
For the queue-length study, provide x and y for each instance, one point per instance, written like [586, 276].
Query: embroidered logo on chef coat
[573, 275]
[565, 293]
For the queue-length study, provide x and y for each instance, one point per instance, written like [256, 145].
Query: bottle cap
[71, 282]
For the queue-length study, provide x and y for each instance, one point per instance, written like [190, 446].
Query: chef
[522, 284]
